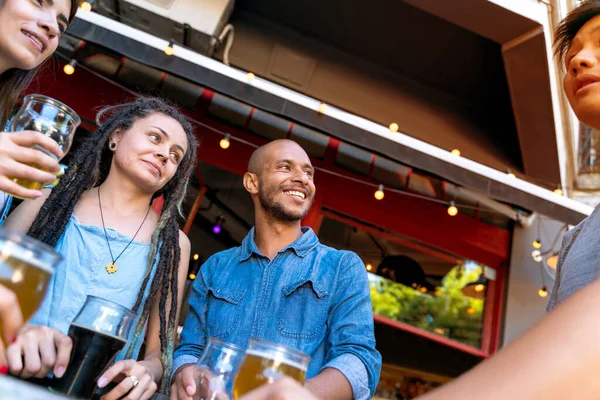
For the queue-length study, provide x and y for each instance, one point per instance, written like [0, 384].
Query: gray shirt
[578, 260]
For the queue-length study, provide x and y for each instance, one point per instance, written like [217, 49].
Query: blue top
[83, 273]
[309, 297]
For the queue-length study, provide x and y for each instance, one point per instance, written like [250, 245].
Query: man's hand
[183, 385]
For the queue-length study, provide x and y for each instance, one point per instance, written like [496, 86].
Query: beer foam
[10, 249]
[276, 356]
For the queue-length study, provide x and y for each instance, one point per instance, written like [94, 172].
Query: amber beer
[265, 362]
[26, 266]
[49, 117]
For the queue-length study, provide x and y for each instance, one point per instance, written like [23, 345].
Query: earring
[112, 146]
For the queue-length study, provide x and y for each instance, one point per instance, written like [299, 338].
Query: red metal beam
[194, 211]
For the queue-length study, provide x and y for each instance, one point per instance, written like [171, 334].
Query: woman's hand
[283, 389]
[17, 156]
[38, 350]
[11, 320]
[134, 377]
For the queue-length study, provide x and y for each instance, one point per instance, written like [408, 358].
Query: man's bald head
[260, 157]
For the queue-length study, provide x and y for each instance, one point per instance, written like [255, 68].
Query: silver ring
[135, 380]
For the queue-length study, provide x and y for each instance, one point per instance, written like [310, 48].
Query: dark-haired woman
[29, 33]
[115, 245]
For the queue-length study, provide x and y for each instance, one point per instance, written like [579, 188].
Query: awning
[265, 95]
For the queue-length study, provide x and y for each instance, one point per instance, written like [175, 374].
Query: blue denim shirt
[310, 297]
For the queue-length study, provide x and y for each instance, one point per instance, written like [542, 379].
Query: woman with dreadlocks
[115, 245]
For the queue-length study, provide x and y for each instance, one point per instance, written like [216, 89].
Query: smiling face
[150, 151]
[29, 31]
[582, 78]
[285, 186]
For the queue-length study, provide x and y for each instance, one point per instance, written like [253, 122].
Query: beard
[277, 210]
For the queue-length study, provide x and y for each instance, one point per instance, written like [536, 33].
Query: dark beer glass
[99, 332]
[26, 266]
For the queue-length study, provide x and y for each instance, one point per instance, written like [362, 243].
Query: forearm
[330, 384]
[559, 358]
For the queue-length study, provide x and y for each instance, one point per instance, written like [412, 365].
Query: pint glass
[99, 332]
[50, 117]
[26, 266]
[216, 369]
[265, 362]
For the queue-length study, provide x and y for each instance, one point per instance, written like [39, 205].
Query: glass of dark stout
[99, 332]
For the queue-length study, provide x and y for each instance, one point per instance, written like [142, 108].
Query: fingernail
[4, 370]
[102, 382]
[190, 390]
[60, 372]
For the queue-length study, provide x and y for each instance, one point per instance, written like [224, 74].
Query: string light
[452, 210]
[379, 195]
[218, 225]
[250, 76]
[217, 229]
[537, 256]
[322, 108]
[543, 292]
[369, 267]
[537, 244]
[196, 256]
[456, 152]
[394, 127]
[225, 142]
[471, 310]
[85, 6]
[479, 287]
[70, 67]
[192, 276]
[510, 174]
[170, 50]
[558, 192]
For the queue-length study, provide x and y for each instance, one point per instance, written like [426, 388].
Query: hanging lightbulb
[322, 108]
[369, 267]
[452, 210]
[543, 292]
[192, 276]
[394, 127]
[456, 152]
[225, 142]
[510, 174]
[471, 310]
[218, 225]
[379, 193]
[217, 229]
[558, 192]
[196, 256]
[537, 244]
[85, 6]
[479, 287]
[250, 76]
[70, 67]
[169, 50]
[537, 256]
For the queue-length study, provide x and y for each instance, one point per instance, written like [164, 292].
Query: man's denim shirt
[310, 297]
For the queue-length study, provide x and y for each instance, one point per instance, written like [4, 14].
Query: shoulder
[343, 259]
[184, 241]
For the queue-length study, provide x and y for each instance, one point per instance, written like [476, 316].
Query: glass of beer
[99, 332]
[26, 266]
[265, 362]
[50, 117]
[216, 369]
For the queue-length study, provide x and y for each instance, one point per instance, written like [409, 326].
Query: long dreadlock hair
[88, 168]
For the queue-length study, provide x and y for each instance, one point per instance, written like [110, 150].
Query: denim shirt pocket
[303, 311]
[223, 310]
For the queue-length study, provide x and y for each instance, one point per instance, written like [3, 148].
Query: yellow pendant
[111, 268]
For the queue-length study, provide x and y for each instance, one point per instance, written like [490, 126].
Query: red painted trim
[372, 166]
[331, 151]
[247, 123]
[121, 63]
[194, 211]
[204, 101]
[289, 132]
[162, 81]
[431, 336]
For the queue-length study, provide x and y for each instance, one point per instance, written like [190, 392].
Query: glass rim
[279, 347]
[224, 343]
[54, 102]
[111, 303]
[30, 243]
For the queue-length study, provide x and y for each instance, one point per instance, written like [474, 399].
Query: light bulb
[369, 267]
[196, 256]
[169, 50]
[70, 67]
[225, 143]
[379, 193]
[322, 108]
[192, 276]
[250, 76]
[217, 229]
[543, 292]
[537, 256]
[537, 244]
[479, 287]
[452, 210]
[470, 310]
[456, 152]
[510, 174]
[85, 6]
[558, 192]
[394, 127]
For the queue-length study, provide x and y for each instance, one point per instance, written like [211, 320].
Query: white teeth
[34, 39]
[295, 193]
